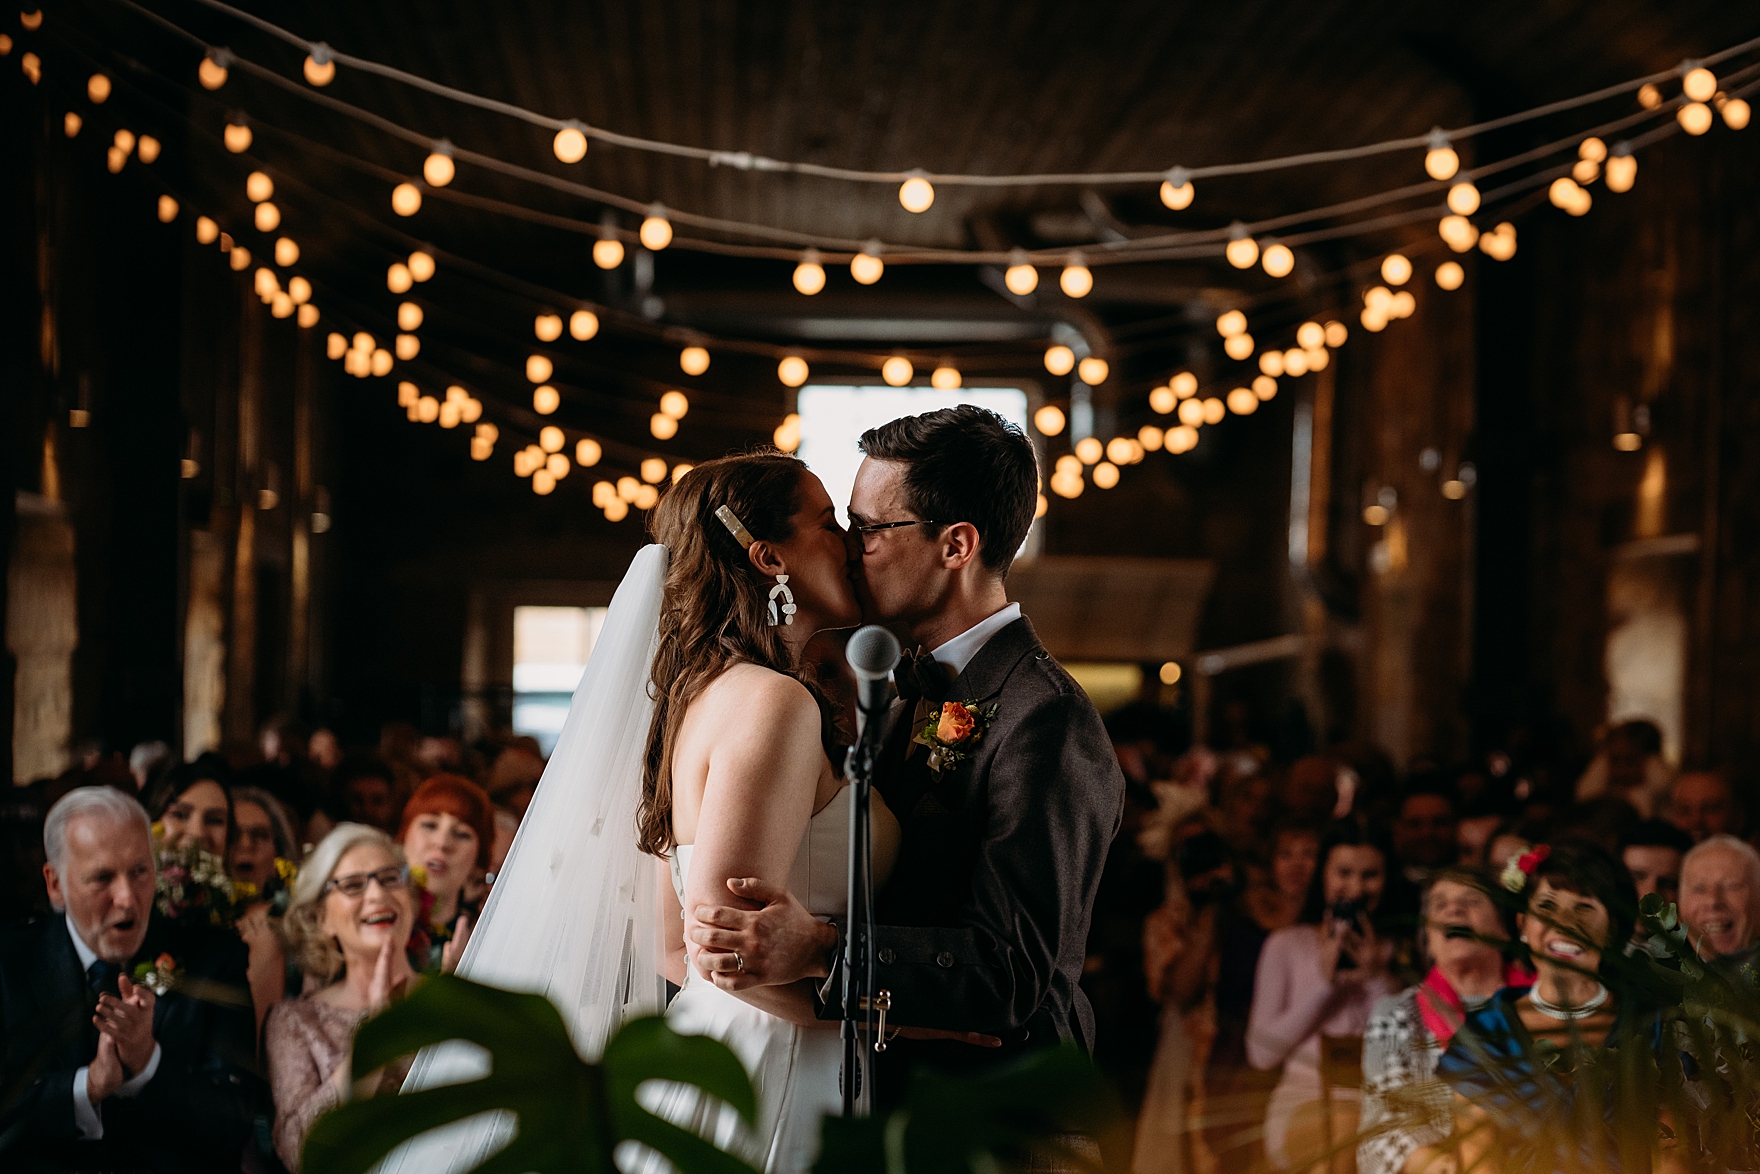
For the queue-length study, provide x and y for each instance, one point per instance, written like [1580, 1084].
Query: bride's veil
[573, 914]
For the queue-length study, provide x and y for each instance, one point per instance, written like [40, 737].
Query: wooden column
[241, 677]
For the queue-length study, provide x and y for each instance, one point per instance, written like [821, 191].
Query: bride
[696, 750]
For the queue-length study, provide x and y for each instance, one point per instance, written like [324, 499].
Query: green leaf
[647, 1049]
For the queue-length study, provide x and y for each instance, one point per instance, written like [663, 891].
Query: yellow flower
[158, 830]
[418, 875]
[286, 869]
[243, 890]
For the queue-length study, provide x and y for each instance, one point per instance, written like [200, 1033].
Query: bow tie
[920, 675]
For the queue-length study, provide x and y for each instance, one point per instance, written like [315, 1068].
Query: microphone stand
[858, 943]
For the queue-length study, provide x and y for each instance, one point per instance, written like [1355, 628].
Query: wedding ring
[740, 963]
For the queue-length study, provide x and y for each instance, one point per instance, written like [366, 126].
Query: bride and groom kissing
[987, 840]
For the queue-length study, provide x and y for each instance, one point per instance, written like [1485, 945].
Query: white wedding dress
[574, 916]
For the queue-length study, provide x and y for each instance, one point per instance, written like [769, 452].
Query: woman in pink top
[1316, 984]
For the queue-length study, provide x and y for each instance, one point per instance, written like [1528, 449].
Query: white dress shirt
[85, 1114]
[958, 652]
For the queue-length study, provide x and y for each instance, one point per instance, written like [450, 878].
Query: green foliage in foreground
[573, 1114]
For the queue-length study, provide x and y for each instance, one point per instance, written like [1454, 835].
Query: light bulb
[421, 265]
[1278, 261]
[1239, 347]
[1089, 450]
[1076, 280]
[662, 427]
[406, 199]
[1265, 387]
[71, 123]
[1049, 420]
[1374, 320]
[792, 371]
[653, 470]
[241, 258]
[1242, 251]
[320, 69]
[788, 433]
[1336, 334]
[570, 144]
[299, 289]
[124, 139]
[1735, 116]
[616, 510]
[543, 482]
[897, 371]
[1586, 171]
[539, 368]
[678, 472]
[545, 400]
[335, 346]
[1396, 269]
[438, 168]
[1592, 149]
[427, 409]
[1694, 117]
[258, 187]
[647, 497]
[1450, 275]
[1162, 400]
[1242, 402]
[916, 194]
[945, 377]
[397, 278]
[1622, 172]
[656, 232]
[449, 414]
[362, 341]
[1214, 411]
[481, 448]
[237, 137]
[286, 251]
[1151, 437]
[1060, 360]
[550, 438]
[675, 404]
[693, 360]
[1069, 465]
[1021, 279]
[1039, 510]
[866, 267]
[1177, 197]
[1230, 324]
[408, 347]
[1649, 97]
[1457, 232]
[583, 324]
[1463, 199]
[1068, 486]
[207, 232]
[1295, 362]
[382, 363]
[809, 275]
[1093, 371]
[1440, 161]
[1563, 192]
[211, 73]
[1699, 84]
[116, 159]
[280, 305]
[608, 252]
[98, 88]
[1191, 412]
[1318, 358]
[148, 148]
[470, 409]
[267, 217]
[409, 316]
[1105, 475]
[167, 209]
[1271, 363]
[1310, 335]
[1184, 385]
[587, 452]
[547, 327]
[1120, 451]
[32, 65]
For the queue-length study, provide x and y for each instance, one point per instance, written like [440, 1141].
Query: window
[834, 418]
[550, 650]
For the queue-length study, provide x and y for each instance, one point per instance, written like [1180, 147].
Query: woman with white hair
[348, 926]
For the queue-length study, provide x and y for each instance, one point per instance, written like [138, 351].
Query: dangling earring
[787, 610]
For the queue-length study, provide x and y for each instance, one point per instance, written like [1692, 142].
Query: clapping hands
[125, 1038]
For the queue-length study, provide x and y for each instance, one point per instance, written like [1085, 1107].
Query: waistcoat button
[886, 956]
[944, 959]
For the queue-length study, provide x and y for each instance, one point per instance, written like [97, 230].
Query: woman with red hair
[447, 828]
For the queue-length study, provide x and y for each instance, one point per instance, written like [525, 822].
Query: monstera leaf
[997, 1121]
[571, 1114]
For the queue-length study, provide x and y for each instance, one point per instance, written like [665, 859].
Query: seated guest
[1702, 803]
[1629, 767]
[368, 795]
[1463, 937]
[513, 778]
[101, 1073]
[1652, 853]
[448, 826]
[1315, 986]
[1720, 885]
[348, 925]
[264, 835]
[146, 762]
[1515, 1063]
[193, 805]
[506, 827]
[1424, 830]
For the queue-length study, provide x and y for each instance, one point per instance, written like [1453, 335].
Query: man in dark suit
[100, 1073]
[1006, 811]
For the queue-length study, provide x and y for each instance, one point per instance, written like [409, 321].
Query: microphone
[873, 654]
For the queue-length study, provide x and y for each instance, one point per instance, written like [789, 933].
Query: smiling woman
[448, 826]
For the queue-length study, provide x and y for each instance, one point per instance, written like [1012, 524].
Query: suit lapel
[988, 671]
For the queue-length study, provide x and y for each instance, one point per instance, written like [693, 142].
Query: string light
[653, 470]
[607, 252]
[167, 209]
[237, 136]
[70, 124]
[788, 433]
[1735, 113]
[308, 315]
[1500, 243]
[678, 472]
[427, 408]
[398, 278]
[1242, 401]
[587, 453]
[570, 143]
[211, 73]
[32, 66]
[241, 258]
[1458, 233]
[792, 371]
[543, 482]
[408, 347]
[539, 368]
[1271, 363]
[280, 305]
[616, 510]
[1182, 439]
[545, 400]
[362, 341]
[409, 316]
[1162, 400]
[1295, 363]
[1440, 161]
[1177, 190]
[1214, 411]
[897, 371]
[258, 187]
[207, 232]
[1184, 385]
[1232, 323]
[1265, 387]
[115, 158]
[124, 140]
[98, 89]
[299, 289]
[583, 324]
[406, 199]
[1151, 437]
[438, 168]
[286, 251]
[1699, 84]
[1089, 450]
[320, 66]
[866, 266]
[1105, 475]
[662, 427]
[335, 346]
[382, 365]
[1060, 360]
[1191, 412]
[1402, 304]
[1694, 117]
[1242, 250]
[693, 360]
[1076, 280]
[647, 497]
[1068, 485]
[421, 265]
[945, 377]
[547, 327]
[809, 275]
[267, 217]
[656, 230]
[1042, 508]
[1463, 199]
[1649, 97]
[916, 194]
[1450, 275]
[675, 404]
[1567, 194]
[550, 438]
[148, 149]
[1278, 261]
[1120, 450]
[1049, 420]
[1239, 347]
[1093, 371]
[1396, 269]
[1622, 169]
[1020, 277]
[1310, 335]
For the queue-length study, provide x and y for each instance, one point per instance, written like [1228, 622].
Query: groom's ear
[959, 545]
[766, 559]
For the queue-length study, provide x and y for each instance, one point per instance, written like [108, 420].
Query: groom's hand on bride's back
[775, 944]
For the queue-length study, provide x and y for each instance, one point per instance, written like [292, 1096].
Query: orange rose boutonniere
[952, 732]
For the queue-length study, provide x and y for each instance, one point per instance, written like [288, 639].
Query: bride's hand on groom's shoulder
[778, 943]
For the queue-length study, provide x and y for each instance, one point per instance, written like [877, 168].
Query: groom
[983, 925]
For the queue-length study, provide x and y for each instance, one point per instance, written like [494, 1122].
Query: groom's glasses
[869, 529]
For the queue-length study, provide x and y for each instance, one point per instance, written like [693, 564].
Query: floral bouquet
[192, 887]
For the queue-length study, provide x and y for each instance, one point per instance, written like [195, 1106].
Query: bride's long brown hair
[715, 610]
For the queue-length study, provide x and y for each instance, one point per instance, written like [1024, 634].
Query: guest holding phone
[1316, 984]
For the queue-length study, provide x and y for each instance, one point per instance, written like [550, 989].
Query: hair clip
[734, 526]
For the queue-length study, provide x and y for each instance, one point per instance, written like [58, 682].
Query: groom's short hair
[965, 464]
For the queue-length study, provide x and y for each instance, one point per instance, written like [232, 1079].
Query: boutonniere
[951, 732]
[159, 975]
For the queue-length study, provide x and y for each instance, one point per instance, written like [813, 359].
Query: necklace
[1553, 1011]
